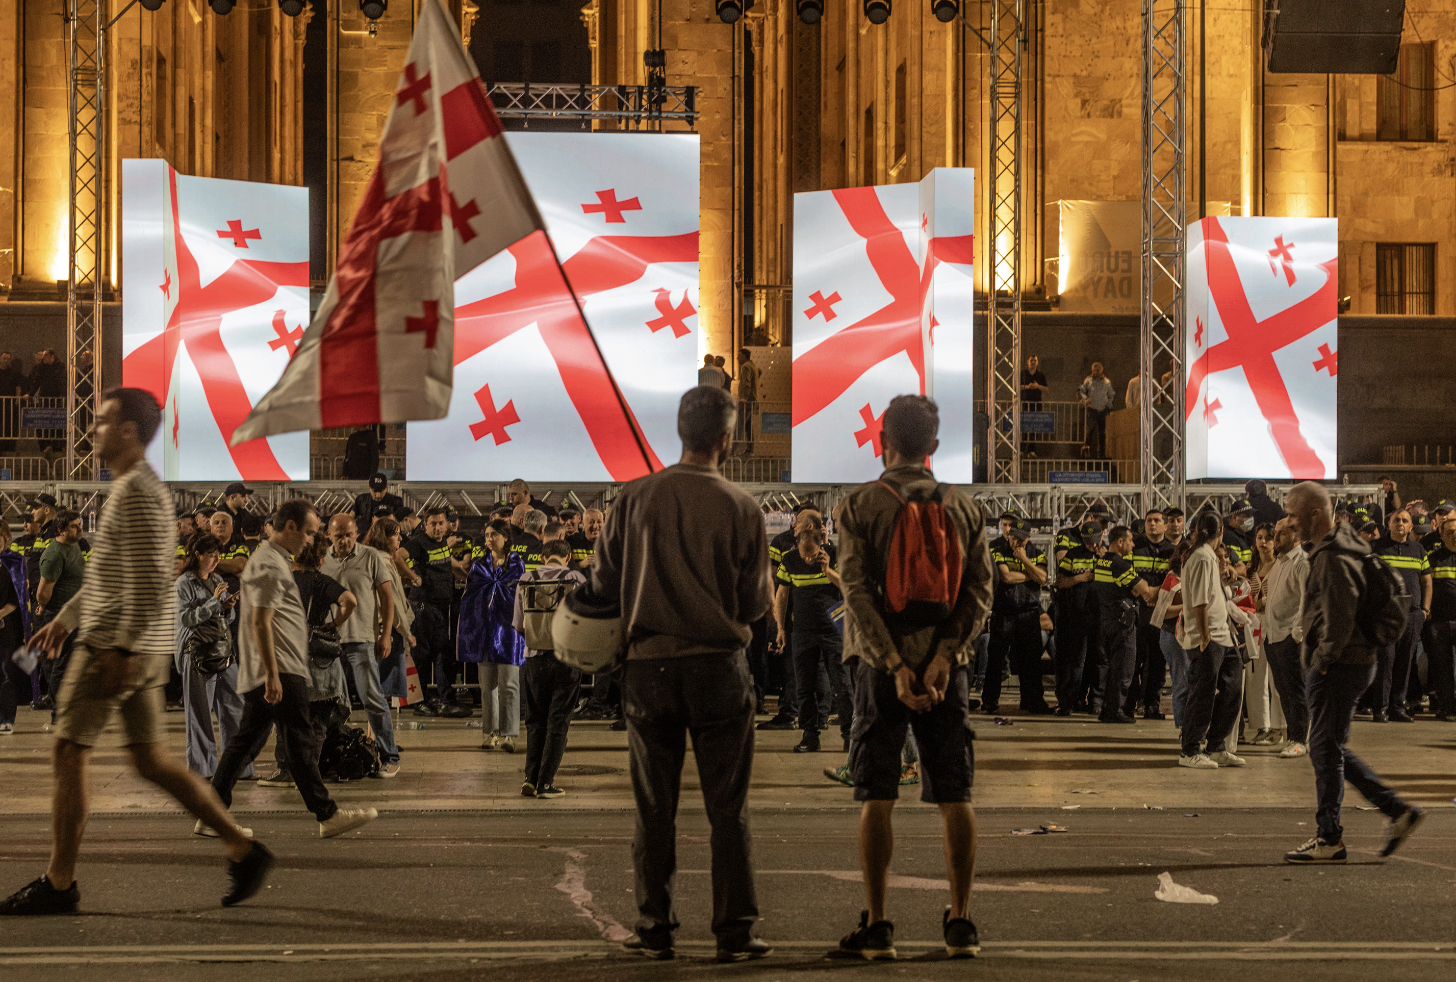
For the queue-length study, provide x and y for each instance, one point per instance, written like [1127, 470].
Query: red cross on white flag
[370, 355]
[531, 396]
[875, 271]
[1263, 352]
[232, 261]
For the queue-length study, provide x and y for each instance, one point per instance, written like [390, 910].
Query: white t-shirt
[1202, 586]
[268, 582]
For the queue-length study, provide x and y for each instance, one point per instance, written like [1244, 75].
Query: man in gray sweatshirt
[1339, 663]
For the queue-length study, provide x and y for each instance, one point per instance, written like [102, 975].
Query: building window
[1405, 278]
[900, 99]
[1407, 98]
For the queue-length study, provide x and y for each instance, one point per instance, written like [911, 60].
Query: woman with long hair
[487, 637]
[203, 603]
[1215, 671]
[1266, 715]
[386, 535]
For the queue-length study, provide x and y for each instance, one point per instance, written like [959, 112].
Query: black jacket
[1331, 594]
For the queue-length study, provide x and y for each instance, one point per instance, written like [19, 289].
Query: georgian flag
[883, 306]
[531, 395]
[445, 196]
[216, 299]
[1262, 348]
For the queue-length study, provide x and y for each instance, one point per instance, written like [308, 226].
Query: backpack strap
[891, 488]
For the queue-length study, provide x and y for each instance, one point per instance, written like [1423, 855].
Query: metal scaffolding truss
[637, 106]
[1006, 43]
[1165, 247]
[85, 71]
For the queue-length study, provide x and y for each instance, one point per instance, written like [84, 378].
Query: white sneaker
[491, 742]
[1316, 851]
[387, 770]
[346, 820]
[1202, 762]
[508, 744]
[211, 833]
[7, 729]
[1225, 759]
[1294, 749]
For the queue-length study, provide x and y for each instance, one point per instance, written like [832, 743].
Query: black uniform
[430, 561]
[1237, 545]
[364, 506]
[528, 547]
[1117, 614]
[1076, 618]
[582, 550]
[1440, 633]
[1396, 662]
[1016, 631]
[1152, 560]
[815, 644]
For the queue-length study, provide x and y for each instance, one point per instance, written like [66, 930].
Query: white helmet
[587, 632]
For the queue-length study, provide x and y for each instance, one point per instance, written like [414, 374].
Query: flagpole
[621, 399]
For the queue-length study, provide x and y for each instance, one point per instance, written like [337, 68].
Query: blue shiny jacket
[486, 609]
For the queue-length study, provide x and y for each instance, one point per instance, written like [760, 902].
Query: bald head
[518, 515]
[343, 533]
[1311, 511]
[519, 493]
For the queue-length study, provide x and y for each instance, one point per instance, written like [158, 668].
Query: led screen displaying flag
[883, 306]
[215, 300]
[1262, 348]
[530, 396]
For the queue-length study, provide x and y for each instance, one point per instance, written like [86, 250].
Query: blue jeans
[392, 671]
[359, 656]
[201, 697]
[1177, 660]
[1332, 697]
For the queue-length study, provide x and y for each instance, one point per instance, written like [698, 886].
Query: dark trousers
[298, 736]
[551, 690]
[1332, 696]
[710, 698]
[1015, 641]
[823, 685]
[1120, 644]
[1097, 432]
[434, 647]
[1288, 676]
[758, 659]
[1440, 641]
[1215, 695]
[1148, 676]
[53, 669]
[1094, 665]
[14, 685]
[1397, 661]
[1072, 624]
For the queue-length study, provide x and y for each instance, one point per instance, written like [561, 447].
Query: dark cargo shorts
[944, 737]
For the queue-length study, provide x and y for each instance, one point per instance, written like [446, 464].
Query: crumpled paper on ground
[1174, 893]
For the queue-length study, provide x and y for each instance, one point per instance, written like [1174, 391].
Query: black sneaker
[779, 722]
[961, 939]
[430, 708]
[619, 725]
[454, 710]
[40, 898]
[637, 946]
[1119, 718]
[871, 942]
[550, 791]
[248, 874]
[1401, 827]
[807, 745]
[744, 950]
[1400, 716]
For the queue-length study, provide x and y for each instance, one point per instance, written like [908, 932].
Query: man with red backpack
[916, 574]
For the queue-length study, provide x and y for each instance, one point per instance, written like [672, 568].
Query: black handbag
[324, 644]
[209, 649]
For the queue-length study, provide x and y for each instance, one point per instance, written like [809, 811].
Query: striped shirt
[128, 599]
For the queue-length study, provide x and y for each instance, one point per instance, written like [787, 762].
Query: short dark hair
[1117, 532]
[745, 353]
[804, 506]
[66, 518]
[704, 414]
[250, 525]
[295, 510]
[556, 549]
[1154, 511]
[140, 407]
[434, 510]
[910, 425]
[553, 527]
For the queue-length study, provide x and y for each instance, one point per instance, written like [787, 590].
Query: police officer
[377, 494]
[808, 581]
[806, 515]
[1431, 540]
[1021, 572]
[1238, 536]
[1440, 633]
[1076, 604]
[1407, 558]
[1151, 556]
[1118, 589]
[429, 559]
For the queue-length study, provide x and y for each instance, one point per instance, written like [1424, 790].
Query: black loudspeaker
[1344, 37]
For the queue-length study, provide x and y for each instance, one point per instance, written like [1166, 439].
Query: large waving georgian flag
[445, 196]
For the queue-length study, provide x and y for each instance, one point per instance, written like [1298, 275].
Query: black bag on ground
[210, 647]
[348, 754]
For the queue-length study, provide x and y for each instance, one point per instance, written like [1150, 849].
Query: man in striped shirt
[124, 617]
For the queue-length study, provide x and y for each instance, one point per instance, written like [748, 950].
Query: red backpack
[923, 569]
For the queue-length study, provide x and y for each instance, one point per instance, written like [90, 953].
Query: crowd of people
[886, 628]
